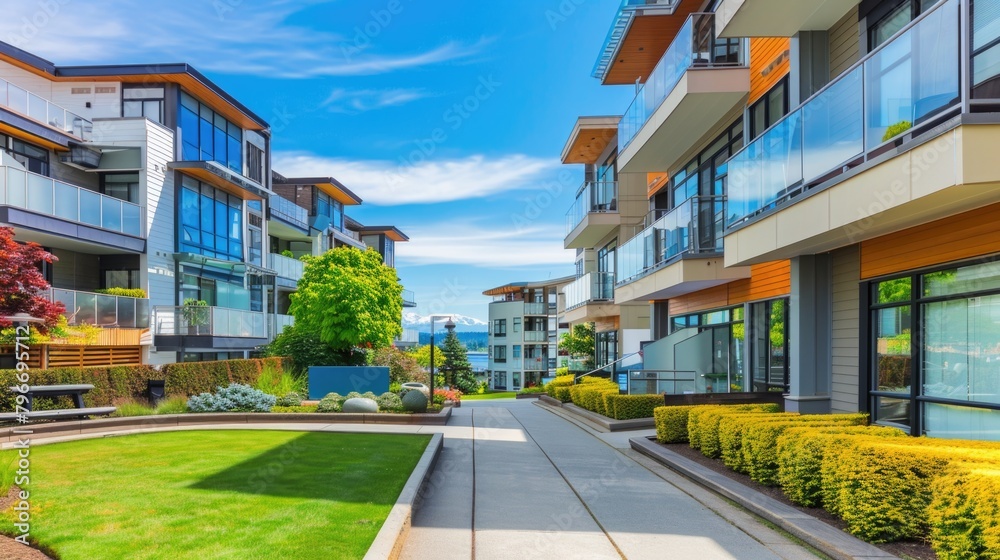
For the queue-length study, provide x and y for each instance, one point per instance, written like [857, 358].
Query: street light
[434, 318]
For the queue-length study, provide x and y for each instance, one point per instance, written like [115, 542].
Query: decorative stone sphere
[407, 387]
[365, 406]
[414, 401]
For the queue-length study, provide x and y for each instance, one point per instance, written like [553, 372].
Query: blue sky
[446, 117]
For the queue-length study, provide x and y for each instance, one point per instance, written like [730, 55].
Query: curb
[597, 421]
[826, 538]
[389, 541]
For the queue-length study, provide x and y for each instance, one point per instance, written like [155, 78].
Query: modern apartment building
[153, 177]
[822, 195]
[524, 333]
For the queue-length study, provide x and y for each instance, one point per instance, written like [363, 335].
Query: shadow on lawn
[364, 468]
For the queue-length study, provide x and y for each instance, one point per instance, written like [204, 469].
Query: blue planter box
[344, 379]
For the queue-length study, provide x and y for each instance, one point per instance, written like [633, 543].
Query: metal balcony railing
[44, 111]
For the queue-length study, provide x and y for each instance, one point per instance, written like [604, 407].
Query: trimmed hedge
[672, 423]
[113, 384]
[964, 515]
[703, 424]
[559, 388]
[630, 407]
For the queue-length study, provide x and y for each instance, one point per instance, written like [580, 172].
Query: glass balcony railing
[102, 310]
[534, 364]
[47, 196]
[409, 336]
[535, 336]
[282, 321]
[594, 286]
[693, 227]
[409, 299]
[26, 103]
[626, 11]
[903, 83]
[593, 198]
[208, 321]
[535, 309]
[286, 267]
[288, 211]
[695, 46]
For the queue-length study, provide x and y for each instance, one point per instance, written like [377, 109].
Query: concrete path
[516, 480]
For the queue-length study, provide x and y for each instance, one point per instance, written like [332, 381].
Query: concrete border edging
[390, 538]
[818, 534]
[599, 422]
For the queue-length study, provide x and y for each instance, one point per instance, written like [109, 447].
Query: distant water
[479, 360]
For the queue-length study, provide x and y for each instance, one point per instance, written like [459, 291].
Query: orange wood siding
[769, 63]
[964, 236]
[768, 280]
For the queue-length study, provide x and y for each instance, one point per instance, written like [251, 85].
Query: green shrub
[531, 390]
[124, 292]
[896, 129]
[234, 398]
[111, 384]
[304, 348]
[131, 408]
[190, 378]
[332, 402]
[295, 409]
[389, 402]
[629, 407]
[173, 405]
[274, 381]
[671, 423]
[291, 399]
[964, 515]
[562, 393]
[703, 423]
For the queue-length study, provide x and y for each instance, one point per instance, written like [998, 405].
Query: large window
[124, 186]
[607, 347]
[143, 101]
[500, 327]
[986, 49]
[889, 18]
[33, 158]
[769, 345]
[934, 353]
[769, 109]
[208, 136]
[716, 351]
[211, 222]
[499, 353]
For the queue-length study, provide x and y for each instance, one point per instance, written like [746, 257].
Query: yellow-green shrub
[760, 441]
[671, 423]
[590, 393]
[559, 387]
[800, 453]
[629, 407]
[703, 423]
[964, 515]
[730, 435]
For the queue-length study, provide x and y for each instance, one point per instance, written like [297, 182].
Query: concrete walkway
[519, 481]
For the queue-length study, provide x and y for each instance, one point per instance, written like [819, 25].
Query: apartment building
[821, 201]
[152, 177]
[524, 330]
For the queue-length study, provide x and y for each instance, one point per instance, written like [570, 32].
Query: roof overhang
[328, 185]
[222, 178]
[590, 137]
[391, 232]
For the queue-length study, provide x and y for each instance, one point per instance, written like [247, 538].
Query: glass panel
[107, 310]
[833, 127]
[38, 108]
[67, 203]
[893, 351]
[189, 132]
[40, 194]
[962, 349]
[891, 24]
[132, 220]
[132, 109]
[16, 184]
[142, 313]
[126, 312]
[68, 299]
[896, 411]
[960, 280]
[892, 291]
[914, 76]
[90, 207]
[111, 217]
[86, 308]
[961, 422]
[986, 58]
[17, 99]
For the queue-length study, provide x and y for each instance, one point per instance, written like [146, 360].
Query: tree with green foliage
[456, 368]
[423, 356]
[350, 299]
[403, 367]
[579, 343]
[306, 349]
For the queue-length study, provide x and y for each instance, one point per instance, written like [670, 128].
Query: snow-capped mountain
[463, 323]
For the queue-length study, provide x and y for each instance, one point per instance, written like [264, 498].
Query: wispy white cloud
[389, 183]
[359, 101]
[468, 244]
[226, 36]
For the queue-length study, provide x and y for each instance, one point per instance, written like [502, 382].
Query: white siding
[845, 333]
[102, 105]
[844, 43]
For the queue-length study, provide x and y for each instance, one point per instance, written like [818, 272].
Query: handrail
[577, 378]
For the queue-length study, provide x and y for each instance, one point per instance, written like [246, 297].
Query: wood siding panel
[767, 281]
[964, 236]
[769, 63]
[844, 43]
[845, 334]
[698, 301]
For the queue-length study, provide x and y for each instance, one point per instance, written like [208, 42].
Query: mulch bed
[9, 548]
[904, 549]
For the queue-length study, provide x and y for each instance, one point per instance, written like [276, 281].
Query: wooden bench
[75, 391]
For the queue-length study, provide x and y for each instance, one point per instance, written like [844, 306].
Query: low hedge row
[559, 388]
[884, 484]
[630, 407]
[590, 393]
[113, 384]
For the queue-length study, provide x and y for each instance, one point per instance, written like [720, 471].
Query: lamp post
[434, 318]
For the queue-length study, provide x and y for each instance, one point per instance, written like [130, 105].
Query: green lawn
[490, 396]
[217, 494]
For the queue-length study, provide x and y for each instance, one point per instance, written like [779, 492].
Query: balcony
[44, 111]
[591, 296]
[69, 211]
[410, 337]
[210, 328]
[536, 336]
[535, 364]
[288, 212]
[698, 81]
[756, 18]
[282, 321]
[536, 309]
[593, 216]
[409, 299]
[628, 51]
[102, 310]
[652, 265]
[832, 173]
[286, 268]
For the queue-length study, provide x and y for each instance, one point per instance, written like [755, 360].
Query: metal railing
[658, 382]
[577, 378]
[593, 286]
[44, 111]
[694, 226]
[187, 320]
[102, 310]
[50, 197]
[904, 82]
[695, 46]
[286, 267]
[288, 211]
[594, 197]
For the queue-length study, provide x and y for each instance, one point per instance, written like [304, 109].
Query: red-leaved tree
[22, 286]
